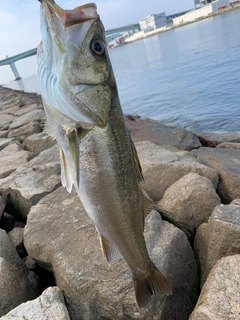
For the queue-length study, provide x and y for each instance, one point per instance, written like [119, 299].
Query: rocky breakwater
[192, 234]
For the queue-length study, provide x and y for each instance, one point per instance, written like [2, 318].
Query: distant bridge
[11, 60]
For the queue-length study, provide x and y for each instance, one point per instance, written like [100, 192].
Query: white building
[153, 22]
[206, 7]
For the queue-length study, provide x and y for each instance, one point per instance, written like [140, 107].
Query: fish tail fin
[150, 285]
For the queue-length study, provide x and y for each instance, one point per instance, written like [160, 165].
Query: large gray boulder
[162, 166]
[189, 202]
[38, 142]
[159, 133]
[15, 284]
[12, 157]
[26, 118]
[25, 130]
[218, 238]
[2, 206]
[220, 296]
[50, 305]
[61, 238]
[31, 182]
[227, 163]
[5, 142]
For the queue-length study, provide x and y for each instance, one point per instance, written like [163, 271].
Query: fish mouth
[69, 17]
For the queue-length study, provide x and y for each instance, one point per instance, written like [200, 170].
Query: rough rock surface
[231, 145]
[220, 295]
[218, 238]
[26, 118]
[2, 206]
[12, 157]
[227, 163]
[164, 166]
[15, 286]
[60, 237]
[16, 236]
[212, 139]
[5, 142]
[50, 305]
[161, 134]
[26, 130]
[189, 202]
[31, 182]
[38, 142]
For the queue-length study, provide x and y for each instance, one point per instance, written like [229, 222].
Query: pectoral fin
[74, 151]
[109, 250]
[66, 176]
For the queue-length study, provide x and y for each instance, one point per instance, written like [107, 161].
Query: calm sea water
[188, 77]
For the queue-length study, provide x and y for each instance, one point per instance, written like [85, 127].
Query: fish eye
[98, 47]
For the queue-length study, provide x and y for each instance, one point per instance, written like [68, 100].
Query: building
[153, 22]
[203, 9]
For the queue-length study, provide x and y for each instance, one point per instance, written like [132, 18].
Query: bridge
[11, 60]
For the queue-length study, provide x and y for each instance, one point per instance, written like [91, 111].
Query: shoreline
[166, 29]
[208, 138]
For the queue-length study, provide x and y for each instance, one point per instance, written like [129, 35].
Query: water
[188, 77]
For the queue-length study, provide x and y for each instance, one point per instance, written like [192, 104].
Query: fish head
[75, 72]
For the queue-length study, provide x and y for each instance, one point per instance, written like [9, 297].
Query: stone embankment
[51, 264]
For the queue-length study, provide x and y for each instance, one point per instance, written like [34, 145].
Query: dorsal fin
[148, 203]
[136, 159]
[66, 177]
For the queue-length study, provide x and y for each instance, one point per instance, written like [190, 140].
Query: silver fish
[97, 155]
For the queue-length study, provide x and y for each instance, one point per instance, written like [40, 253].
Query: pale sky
[20, 25]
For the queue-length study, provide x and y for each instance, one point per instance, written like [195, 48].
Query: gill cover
[75, 73]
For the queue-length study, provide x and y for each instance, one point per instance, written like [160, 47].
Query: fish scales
[97, 155]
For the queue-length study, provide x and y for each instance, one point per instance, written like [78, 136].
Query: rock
[189, 202]
[212, 139]
[8, 252]
[2, 206]
[15, 287]
[12, 157]
[220, 297]
[5, 121]
[227, 145]
[164, 166]
[50, 305]
[26, 130]
[28, 109]
[38, 142]
[227, 163]
[61, 238]
[161, 134]
[3, 133]
[34, 115]
[16, 236]
[31, 182]
[5, 142]
[218, 238]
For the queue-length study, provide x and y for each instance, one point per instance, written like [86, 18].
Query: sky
[20, 24]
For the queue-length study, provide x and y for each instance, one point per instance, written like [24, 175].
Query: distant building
[203, 9]
[153, 22]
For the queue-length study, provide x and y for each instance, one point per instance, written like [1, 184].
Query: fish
[97, 155]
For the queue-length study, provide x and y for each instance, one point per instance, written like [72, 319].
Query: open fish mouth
[73, 78]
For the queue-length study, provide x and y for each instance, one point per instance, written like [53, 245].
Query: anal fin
[110, 252]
